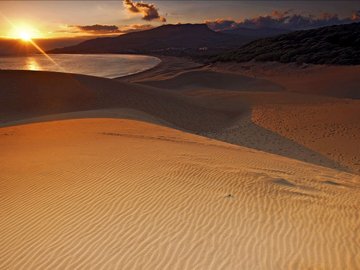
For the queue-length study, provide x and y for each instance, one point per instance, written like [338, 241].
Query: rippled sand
[123, 194]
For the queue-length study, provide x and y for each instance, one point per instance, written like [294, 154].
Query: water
[104, 65]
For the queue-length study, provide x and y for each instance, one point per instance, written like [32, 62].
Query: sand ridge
[27, 94]
[211, 108]
[335, 81]
[295, 111]
[207, 79]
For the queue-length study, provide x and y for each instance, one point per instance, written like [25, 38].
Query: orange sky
[52, 19]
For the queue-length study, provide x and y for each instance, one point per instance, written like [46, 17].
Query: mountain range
[179, 39]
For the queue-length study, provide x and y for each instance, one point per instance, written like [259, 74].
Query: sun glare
[24, 32]
[25, 36]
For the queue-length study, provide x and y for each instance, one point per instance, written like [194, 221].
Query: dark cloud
[356, 15]
[286, 20]
[221, 24]
[97, 28]
[148, 11]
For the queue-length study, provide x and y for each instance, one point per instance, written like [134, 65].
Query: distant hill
[339, 45]
[167, 39]
[14, 47]
[18, 47]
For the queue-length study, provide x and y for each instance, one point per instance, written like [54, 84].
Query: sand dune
[242, 117]
[311, 118]
[315, 129]
[205, 79]
[123, 194]
[267, 115]
[27, 94]
[335, 81]
[331, 129]
[108, 174]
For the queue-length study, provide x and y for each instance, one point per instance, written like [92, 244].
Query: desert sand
[201, 167]
[308, 113]
[107, 193]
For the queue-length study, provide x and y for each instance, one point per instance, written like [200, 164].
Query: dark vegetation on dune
[336, 45]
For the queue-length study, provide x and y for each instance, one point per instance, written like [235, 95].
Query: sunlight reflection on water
[31, 64]
[108, 65]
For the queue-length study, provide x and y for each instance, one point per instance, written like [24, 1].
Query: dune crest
[206, 79]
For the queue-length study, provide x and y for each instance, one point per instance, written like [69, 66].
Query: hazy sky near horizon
[60, 18]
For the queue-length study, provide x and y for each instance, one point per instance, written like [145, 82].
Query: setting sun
[25, 36]
[24, 32]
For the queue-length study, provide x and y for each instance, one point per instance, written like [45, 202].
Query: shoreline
[30, 63]
[169, 65]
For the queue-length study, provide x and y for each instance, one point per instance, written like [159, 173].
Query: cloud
[222, 24]
[148, 11]
[280, 14]
[286, 20]
[135, 28]
[97, 28]
[356, 15]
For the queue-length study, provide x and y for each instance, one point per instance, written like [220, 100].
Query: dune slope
[216, 104]
[25, 94]
[333, 81]
[206, 79]
[281, 109]
[123, 194]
